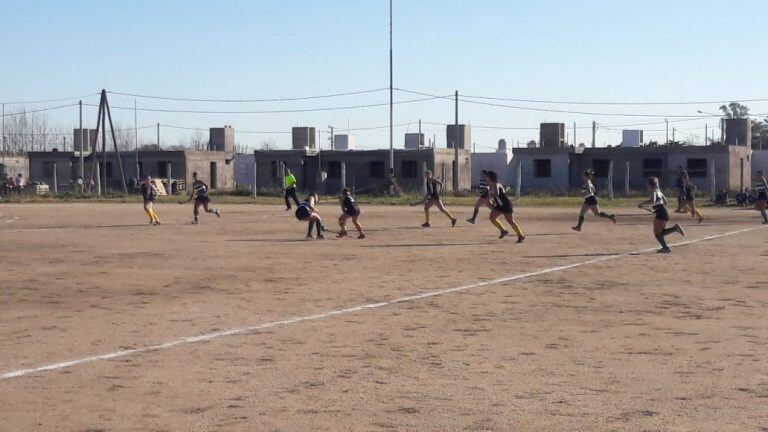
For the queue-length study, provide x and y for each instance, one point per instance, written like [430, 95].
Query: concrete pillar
[343, 175]
[170, 178]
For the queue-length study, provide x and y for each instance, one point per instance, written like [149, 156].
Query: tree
[735, 110]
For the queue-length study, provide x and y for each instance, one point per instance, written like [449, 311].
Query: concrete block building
[367, 171]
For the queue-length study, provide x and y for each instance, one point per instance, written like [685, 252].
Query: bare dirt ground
[637, 342]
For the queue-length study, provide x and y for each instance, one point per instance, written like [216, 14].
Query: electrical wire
[49, 100]
[280, 99]
[554, 102]
[40, 110]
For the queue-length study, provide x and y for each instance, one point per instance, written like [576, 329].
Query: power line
[270, 111]
[49, 100]
[40, 110]
[280, 99]
[614, 103]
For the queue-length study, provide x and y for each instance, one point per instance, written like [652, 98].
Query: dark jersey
[349, 206]
[689, 191]
[433, 189]
[200, 189]
[148, 191]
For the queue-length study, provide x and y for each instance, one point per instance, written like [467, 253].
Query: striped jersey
[200, 189]
[587, 189]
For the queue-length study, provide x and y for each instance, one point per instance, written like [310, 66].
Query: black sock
[605, 215]
[474, 213]
[309, 230]
[660, 238]
[581, 221]
[319, 226]
[667, 231]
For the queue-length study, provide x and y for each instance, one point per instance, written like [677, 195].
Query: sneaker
[361, 236]
[321, 237]
[194, 222]
[576, 228]
[680, 229]
[470, 220]
[701, 219]
[309, 237]
[503, 234]
[341, 234]
[520, 239]
[157, 223]
[217, 213]
[425, 225]
[664, 250]
[453, 222]
[613, 218]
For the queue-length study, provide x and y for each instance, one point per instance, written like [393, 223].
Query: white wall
[496, 161]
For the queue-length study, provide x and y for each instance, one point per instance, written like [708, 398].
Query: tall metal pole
[706, 134]
[104, 144]
[673, 134]
[575, 143]
[3, 135]
[594, 133]
[456, 145]
[82, 144]
[722, 130]
[391, 99]
[666, 122]
[158, 136]
[136, 138]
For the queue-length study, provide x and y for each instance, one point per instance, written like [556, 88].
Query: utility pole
[594, 132]
[706, 134]
[722, 130]
[456, 146]
[421, 139]
[3, 135]
[391, 99]
[82, 144]
[575, 143]
[333, 145]
[136, 139]
[158, 135]
[673, 134]
[666, 122]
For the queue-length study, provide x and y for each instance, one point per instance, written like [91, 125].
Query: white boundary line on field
[242, 330]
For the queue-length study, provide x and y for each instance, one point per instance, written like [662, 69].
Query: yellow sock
[517, 229]
[426, 215]
[497, 223]
[698, 213]
[154, 214]
[149, 213]
[447, 213]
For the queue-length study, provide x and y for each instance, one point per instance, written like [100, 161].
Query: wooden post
[610, 179]
[713, 181]
[255, 177]
[626, 178]
[519, 179]
[55, 179]
[170, 178]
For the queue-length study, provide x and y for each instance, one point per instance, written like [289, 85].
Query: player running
[689, 196]
[590, 200]
[502, 206]
[200, 195]
[434, 190]
[307, 212]
[484, 199]
[350, 210]
[658, 203]
[149, 194]
[761, 187]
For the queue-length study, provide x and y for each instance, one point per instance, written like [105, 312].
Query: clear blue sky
[564, 50]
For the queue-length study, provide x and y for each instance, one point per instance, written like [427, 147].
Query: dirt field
[615, 342]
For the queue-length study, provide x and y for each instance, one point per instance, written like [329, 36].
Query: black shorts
[661, 213]
[484, 194]
[150, 200]
[762, 196]
[352, 212]
[302, 213]
[202, 200]
[504, 208]
[590, 200]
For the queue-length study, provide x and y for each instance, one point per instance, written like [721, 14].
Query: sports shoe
[664, 250]
[453, 222]
[425, 225]
[613, 218]
[361, 236]
[470, 220]
[157, 223]
[520, 239]
[341, 234]
[217, 213]
[503, 234]
[194, 222]
[321, 237]
[701, 219]
[576, 228]
[309, 237]
[680, 229]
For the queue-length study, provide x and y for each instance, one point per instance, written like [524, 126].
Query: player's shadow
[418, 245]
[270, 240]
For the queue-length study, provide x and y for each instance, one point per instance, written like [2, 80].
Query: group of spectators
[14, 185]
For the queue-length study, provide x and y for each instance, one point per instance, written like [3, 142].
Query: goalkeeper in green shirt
[289, 186]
